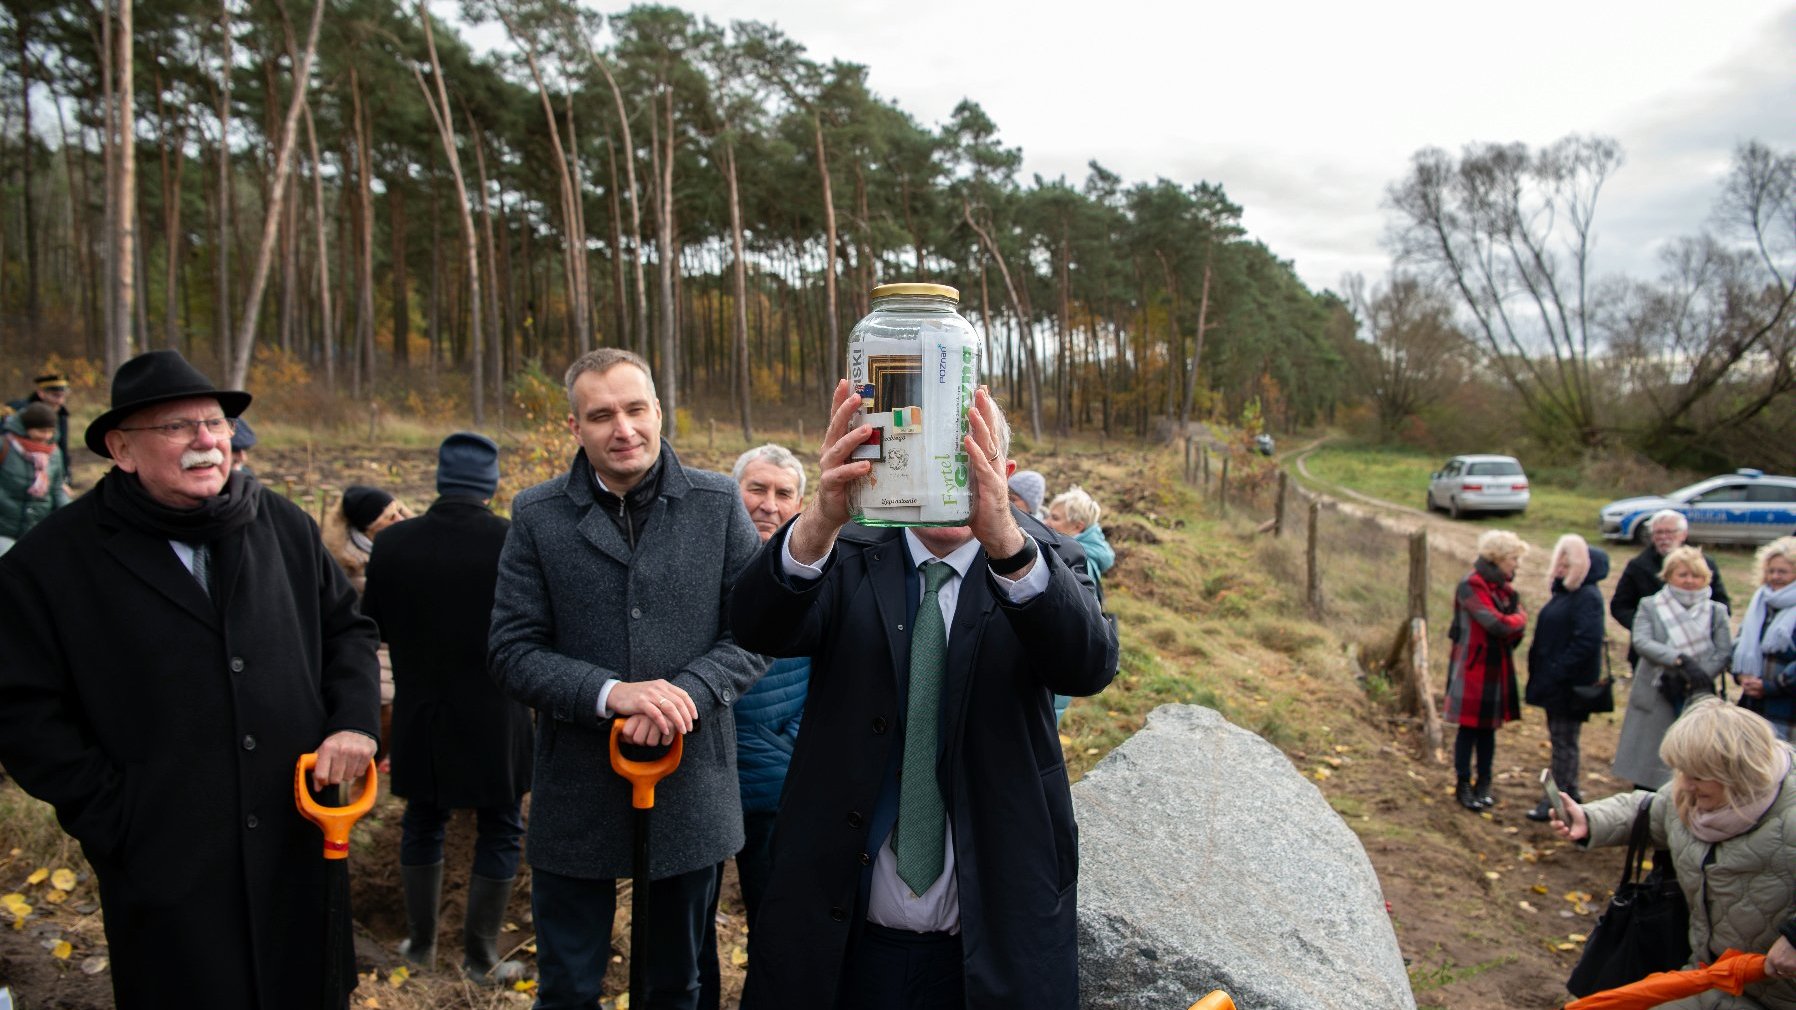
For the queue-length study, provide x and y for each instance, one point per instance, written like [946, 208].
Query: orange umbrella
[1732, 972]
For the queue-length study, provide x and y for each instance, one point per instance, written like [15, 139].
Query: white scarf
[1686, 615]
[1756, 640]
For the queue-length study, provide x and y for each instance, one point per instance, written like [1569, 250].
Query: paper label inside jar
[916, 402]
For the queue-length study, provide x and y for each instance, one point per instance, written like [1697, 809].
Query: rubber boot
[1463, 793]
[1542, 812]
[423, 895]
[1481, 792]
[480, 932]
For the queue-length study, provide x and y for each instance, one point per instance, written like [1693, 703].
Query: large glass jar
[915, 361]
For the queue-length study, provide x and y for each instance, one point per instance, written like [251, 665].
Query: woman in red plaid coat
[1481, 687]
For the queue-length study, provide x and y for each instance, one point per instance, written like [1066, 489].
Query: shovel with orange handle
[642, 776]
[1217, 1000]
[335, 822]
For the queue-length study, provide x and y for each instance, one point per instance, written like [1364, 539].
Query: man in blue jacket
[772, 483]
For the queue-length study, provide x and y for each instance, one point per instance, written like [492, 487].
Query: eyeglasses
[183, 432]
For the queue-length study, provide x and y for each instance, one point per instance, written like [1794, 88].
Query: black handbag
[1646, 927]
[1591, 699]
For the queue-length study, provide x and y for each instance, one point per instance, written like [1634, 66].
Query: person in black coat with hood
[458, 741]
[1567, 652]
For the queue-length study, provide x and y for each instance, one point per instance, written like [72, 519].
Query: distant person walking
[1682, 638]
[31, 475]
[458, 743]
[1488, 623]
[1765, 657]
[1567, 653]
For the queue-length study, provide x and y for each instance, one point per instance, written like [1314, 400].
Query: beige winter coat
[1738, 900]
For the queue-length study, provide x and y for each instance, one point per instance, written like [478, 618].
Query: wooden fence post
[1418, 575]
[1278, 508]
[1422, 683]
[1314, 582]
[1203, 462]
[1222, 493]
[1188, 468]
[712, 444]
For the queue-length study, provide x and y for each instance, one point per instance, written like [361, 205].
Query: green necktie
[917, 840]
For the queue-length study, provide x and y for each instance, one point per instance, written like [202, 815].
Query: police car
[1744, 507]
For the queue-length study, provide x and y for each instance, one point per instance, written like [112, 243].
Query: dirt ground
[1489, 908]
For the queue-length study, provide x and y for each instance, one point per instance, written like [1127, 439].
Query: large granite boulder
[1208, 862]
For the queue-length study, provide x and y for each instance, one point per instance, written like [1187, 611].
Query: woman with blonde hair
[1765, 656]
[349, 528]
[1681, 636]
[1728, 825]
[1488, 622]
[1567, 653]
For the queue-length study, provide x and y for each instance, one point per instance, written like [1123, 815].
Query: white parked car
[1479, 484]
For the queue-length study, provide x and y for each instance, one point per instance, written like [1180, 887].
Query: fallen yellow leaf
[1065, 741]
[371, 1003]
[63, 880]
[1091, 750]
[62, 950]
[1526, 907]
[1565, 946]
[738, 957]
[38, 875]
[56, 897]
[1492, 875]
[1576, 937]
[398, 977]
[1540, 888]
[523, 985]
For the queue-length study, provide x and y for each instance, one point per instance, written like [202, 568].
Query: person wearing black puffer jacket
[1567, 652]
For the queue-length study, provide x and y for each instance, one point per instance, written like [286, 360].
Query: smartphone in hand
[1554, 798]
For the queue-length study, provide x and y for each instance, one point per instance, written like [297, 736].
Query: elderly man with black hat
[458, 742]
[170, 644]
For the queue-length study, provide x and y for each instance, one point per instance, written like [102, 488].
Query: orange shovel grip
[1217, 1000]
[335, 822]
[643, 774]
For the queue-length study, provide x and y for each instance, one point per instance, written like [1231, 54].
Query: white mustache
[193, 458]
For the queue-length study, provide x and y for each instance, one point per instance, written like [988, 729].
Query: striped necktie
[202, 567]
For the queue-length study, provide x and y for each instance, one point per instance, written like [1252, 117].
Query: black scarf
[231, 509]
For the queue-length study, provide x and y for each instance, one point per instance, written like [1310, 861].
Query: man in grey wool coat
[612, 603]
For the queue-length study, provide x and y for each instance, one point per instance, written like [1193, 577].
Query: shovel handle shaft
[335, 822]
[643, 775]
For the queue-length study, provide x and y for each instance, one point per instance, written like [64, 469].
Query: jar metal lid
[937, 290]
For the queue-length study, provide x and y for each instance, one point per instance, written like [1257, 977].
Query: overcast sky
[1306, 112]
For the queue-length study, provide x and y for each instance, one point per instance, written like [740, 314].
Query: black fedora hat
[157, 377]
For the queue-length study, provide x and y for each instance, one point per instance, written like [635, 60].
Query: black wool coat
[458, 740]
[999, 765]
[1640, 579]
[164, 727]
[1567, 649]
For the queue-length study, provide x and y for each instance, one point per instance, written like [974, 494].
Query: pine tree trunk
[246, 334]
[327, 332]
[445, 121]
[402, 302]
[831, 332]
[739, 281]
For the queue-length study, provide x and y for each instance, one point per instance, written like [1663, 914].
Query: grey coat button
[836, 912]
[251, 821]
[236, 664]
[249, 741]
[855, 819]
